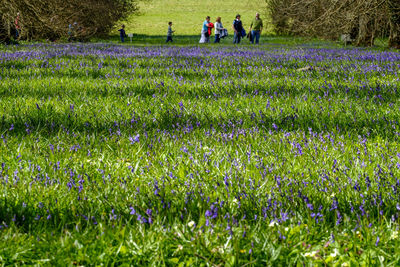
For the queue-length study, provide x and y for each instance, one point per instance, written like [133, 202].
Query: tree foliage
[363, 20]
[49, 19]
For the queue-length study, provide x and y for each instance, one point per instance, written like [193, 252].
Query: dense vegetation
[362, 20]
[50, 19]
[161, 155]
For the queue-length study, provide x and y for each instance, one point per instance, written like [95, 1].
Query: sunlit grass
[204, 155]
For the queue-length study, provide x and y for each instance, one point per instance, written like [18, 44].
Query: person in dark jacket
[122, 33]
[237, 27]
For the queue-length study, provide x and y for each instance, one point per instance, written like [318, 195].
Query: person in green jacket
[256, 28]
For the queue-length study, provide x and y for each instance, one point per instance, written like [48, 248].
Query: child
[170, 32]
[122, 33]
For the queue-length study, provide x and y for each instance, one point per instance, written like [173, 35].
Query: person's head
[123, 26]
[170, 23]
[208, 18]
[18, 14]
[237, 16]
[218, 19]
[257, 15]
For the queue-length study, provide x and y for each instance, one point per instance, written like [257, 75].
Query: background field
[188, 15]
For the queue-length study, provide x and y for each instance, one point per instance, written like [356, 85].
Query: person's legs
[236, 39]
[257, 37]
[122, 39]
[253, 33]
[217, 39]
[169, 39]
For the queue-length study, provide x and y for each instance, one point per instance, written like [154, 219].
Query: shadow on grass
[374, 94]
[172, 121]
[141, 39]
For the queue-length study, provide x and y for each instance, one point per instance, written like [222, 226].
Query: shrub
[49, 19]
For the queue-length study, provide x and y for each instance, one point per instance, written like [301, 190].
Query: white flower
[394, 235]
[311, 254]
[335, 253]
[191, 224]
[272, 224]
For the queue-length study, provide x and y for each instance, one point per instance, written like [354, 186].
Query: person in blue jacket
[122, 33]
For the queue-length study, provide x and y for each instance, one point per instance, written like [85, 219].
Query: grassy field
[199, 155]
[188, 15]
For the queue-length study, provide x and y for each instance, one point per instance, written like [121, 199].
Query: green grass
[188, 15]
[281, 154]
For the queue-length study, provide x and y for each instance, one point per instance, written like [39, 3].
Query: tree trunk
[394, 38]
[366, 32]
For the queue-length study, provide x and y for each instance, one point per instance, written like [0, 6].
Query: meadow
[189, 15]
[199, 155]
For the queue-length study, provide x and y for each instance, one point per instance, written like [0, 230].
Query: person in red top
[210, 27]
[17, 27]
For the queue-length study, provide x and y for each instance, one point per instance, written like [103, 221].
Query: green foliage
[50, 19]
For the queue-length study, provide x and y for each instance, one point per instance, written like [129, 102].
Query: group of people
[256, 27]
[254, 34]
[220, 32]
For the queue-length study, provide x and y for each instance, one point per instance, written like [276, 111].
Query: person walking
[170, 32]
[122, 33]
[237, 27]
[218, 30]
[205, 36]
[256, 28]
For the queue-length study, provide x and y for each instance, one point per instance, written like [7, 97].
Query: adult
[205, 36]
[256, 28]
[218, 30]
[122, 33]
[17, 27]
[237, 27]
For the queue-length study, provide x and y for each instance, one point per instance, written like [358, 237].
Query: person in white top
[218, 30]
